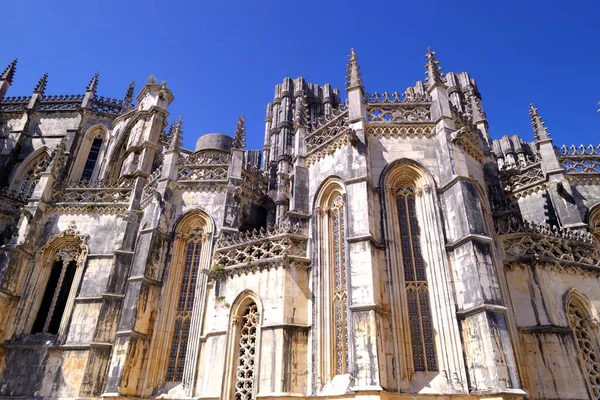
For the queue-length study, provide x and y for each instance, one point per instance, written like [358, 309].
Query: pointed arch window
[331, 283]
[246, 365]
[57, 291]
[92, 158]
[33, 175]
[56, 278]
[185, 303]
[415, 282]
[585, 330]
[339, 293]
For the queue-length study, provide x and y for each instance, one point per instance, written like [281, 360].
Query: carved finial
[9, 72]
[302, 115]
[129, 93]
[540, 132]
[93, 85]
[434, 71]
[40, 88]
[353, 76]
[176, 134]
[239, 140]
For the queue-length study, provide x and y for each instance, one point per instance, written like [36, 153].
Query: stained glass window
[586, 342]
[244, 378]
[185, 303]
[339, 295]
[415, 281]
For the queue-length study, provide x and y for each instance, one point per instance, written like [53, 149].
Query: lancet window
[92, 158]
[415, 282]
[185, 303]
[339, 293]
[56, 294]
[245, 369]
[331, 282]
[585, 331]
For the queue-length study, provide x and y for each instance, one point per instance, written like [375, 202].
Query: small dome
[214, 141]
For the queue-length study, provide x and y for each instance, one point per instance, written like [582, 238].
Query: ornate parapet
[61, 103]
[327, 138]
[92, 193]
[523, 181]
[394, 108]
[523, 240]
[243, 252]
[581, 163]
[16, 104]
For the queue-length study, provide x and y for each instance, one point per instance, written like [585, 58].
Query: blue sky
[222, 59]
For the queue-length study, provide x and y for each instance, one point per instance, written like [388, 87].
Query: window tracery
[245, 369]
[339, 293]
[33, 175]
[415, 281]
[333, 342]
[56, 278]
[584, 329]
[185, 303]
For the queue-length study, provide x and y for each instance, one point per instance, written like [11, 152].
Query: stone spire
[239, 140]
[40, 88]
[9, 73]
[176, 134]
[93, 85]
[129, 94]
[353, 75]
[540, 132]
[434, 71]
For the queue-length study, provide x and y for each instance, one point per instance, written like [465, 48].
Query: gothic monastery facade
[378, 247]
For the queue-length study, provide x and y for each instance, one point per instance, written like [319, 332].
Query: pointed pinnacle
[540, 132]
[93, 85]
[353, 75]
[434, 71]
[9, 73]
[239, 140]
[40, 88]
[176, 134]
[129, 93]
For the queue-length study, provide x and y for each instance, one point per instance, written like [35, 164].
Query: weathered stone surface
[387, 249]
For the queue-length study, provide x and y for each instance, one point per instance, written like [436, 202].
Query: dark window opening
[55, 298]
[88, 170]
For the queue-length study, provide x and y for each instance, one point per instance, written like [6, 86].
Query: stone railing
[202, 173]
[106, 105]
[326, 133]
[14, 104]
[93, 192]
[522, 239]
[398, 113]
[61, 102]
[207, 157]
[282, 245]
[579, 159]
[326, 118]
[517, 179]
[395, 98]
